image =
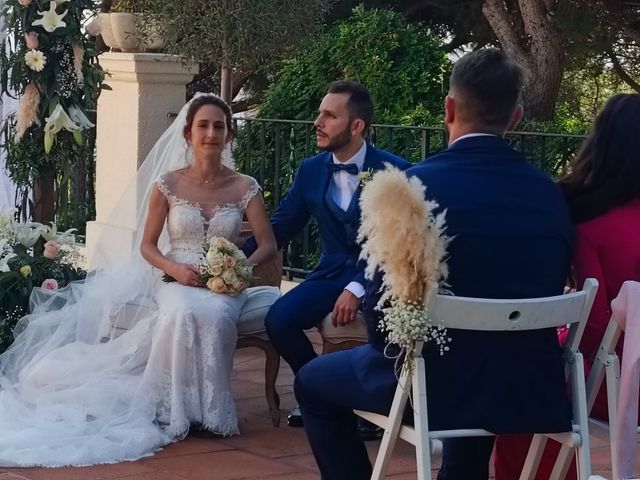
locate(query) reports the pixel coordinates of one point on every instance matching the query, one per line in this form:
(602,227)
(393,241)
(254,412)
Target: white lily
(6,219)
(59,120)
(79,118)
(28,233)
(5,257)
(50,20)
(62,238)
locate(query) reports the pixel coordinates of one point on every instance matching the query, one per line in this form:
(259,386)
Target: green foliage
(402,64)
(70,78)
(246,35)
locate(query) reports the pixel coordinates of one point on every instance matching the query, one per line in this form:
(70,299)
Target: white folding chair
(606,366)
(489,315)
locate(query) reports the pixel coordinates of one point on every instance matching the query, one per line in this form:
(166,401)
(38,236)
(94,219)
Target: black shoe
(294,419)
(369,431)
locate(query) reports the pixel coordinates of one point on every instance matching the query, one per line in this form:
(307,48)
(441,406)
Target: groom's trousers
(300,309)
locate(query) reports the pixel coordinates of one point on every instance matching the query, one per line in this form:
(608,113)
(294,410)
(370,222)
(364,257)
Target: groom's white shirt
(469,135)
(344,186)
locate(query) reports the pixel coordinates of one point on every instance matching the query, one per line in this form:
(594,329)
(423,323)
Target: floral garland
(403,238)
(51,65)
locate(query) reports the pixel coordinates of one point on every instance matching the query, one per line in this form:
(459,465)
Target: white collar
(469,135)
(358,158)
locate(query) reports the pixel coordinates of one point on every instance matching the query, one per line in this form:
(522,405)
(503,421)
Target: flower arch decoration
(50,63)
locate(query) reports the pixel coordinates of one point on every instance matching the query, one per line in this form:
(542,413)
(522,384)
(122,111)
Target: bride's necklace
(210,179)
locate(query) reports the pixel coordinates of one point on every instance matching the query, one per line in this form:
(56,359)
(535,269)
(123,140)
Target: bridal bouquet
(225,269)
(403,238)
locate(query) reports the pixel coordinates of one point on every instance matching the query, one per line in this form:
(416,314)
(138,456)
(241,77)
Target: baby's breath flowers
(402,237)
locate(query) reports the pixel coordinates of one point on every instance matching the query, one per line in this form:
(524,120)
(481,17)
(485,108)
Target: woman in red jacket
(603,193)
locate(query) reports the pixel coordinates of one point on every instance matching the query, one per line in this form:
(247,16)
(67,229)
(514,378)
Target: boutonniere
(365,176)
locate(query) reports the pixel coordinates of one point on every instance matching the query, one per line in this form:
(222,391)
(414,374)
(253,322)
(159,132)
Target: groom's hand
(345,309)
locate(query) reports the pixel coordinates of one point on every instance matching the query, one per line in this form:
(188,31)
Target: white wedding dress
(110,395)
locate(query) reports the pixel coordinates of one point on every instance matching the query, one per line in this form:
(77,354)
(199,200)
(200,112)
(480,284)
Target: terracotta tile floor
(260,452)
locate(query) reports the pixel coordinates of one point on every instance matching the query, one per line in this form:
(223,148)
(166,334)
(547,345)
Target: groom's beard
(340,140)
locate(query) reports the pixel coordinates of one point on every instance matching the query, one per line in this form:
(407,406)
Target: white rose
(216,284)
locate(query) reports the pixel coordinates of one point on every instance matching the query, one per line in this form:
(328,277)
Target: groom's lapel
(371,162)
(325,191)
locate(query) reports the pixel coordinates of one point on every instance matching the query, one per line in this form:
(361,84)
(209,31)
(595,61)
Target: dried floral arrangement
(403,237)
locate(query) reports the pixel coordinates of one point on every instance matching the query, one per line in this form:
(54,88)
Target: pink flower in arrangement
(50,284)
(51,249)
(31,38)
(24,3)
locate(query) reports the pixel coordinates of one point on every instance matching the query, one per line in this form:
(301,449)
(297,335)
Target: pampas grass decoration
(27,113)
(78,56)
(401,236)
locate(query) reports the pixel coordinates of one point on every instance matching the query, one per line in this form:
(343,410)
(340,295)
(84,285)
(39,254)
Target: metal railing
(271,151)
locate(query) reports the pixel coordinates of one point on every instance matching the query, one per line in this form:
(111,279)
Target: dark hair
(606,171)
(200,102)
(487,84)
(359,104)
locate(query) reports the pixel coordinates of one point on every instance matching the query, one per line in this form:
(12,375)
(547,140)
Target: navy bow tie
(351,168)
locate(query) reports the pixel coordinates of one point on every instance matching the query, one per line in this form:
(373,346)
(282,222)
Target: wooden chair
(335,339)
(490,315)
(251,329)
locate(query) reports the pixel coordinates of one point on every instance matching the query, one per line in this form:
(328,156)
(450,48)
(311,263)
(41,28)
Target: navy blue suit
(511,239)
(306,305)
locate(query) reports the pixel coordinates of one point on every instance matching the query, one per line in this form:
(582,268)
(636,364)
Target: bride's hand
(186,274)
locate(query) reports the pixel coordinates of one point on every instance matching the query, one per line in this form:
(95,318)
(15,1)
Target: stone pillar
(146,89)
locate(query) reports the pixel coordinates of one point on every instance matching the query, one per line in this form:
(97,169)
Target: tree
(545,36)
(527,31)
(239,37)
(403,65)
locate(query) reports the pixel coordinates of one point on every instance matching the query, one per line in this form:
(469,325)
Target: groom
(327,188)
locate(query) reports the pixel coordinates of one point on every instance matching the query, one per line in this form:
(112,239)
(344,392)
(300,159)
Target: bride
(78,389)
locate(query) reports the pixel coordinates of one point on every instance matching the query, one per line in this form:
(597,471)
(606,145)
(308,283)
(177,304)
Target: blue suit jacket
(308,197)
(512,239)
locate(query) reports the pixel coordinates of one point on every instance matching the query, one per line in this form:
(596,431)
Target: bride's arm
(158,208)
(262,231)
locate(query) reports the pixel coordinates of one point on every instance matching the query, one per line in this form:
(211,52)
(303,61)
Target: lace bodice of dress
(200,212)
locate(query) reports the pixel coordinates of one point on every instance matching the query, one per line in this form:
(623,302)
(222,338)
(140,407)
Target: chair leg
(579,397)
(421,420)
(563,462)
(534,455)
(612,375)
(392,428)
(271,367)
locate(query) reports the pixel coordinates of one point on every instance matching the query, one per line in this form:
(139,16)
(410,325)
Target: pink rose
(32,40)
(51,249)
(50,284)
(24,3)
(229,262)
